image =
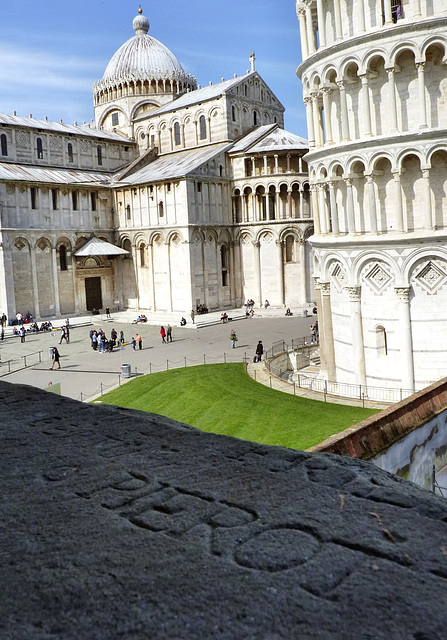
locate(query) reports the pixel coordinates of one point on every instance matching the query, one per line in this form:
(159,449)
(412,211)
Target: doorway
(93,294)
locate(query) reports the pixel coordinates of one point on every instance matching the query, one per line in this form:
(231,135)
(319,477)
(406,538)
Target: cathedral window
(177,139)
(115,119)
(128,215)
(93,197)
(255,118)
(54,198)
(381,342)
(63,257)
(70,152)
(168,187)
(224,265)
(142,250)
(202,122)
(246,90)
(4,144)
(161,211)
(39,147)
(199,187)
(99,152)
(33,193)
(233,113)
(74,200)
(275,119)
(290,249)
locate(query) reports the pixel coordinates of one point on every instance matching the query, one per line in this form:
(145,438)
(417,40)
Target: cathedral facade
(374,77)
(175,196)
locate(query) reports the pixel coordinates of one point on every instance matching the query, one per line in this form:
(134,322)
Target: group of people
(314,333)
(141,318)
(166,334)
(100,342)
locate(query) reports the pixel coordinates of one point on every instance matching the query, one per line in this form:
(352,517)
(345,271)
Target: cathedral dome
(143,55)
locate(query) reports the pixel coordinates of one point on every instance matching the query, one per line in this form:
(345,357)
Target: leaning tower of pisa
(374,76)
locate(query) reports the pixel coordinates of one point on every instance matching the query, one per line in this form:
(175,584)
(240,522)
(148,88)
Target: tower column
(361,15)
(318,129)
(310,121)
(350,205)
(358,348)
(422,102)
(417,8)
(406,341)
(303,33)
(399,208)
(392,95)
(338,27)
(322,207)
(333,206)
(321,23)
(388,13)
(366,104)
(344,111)
(427,200)
(309,26)
(372,204)
(314,208)
(279,253)
(327,114)
(327,336)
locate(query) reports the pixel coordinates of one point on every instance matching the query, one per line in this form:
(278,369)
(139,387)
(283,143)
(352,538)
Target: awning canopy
(97,247)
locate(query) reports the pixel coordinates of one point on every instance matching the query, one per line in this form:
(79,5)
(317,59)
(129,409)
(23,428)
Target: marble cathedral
(174,196)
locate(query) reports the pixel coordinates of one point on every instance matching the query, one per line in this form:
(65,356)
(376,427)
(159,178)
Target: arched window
(4,144)
(115,119)
(233,113)
(63,257)
(70,152)
(99,152)
(39,147)
(161,210)
(255,118)
(128,216)
(177,139)
(381,342)
(142,249)
(202,123)
(290,249)
(224,264)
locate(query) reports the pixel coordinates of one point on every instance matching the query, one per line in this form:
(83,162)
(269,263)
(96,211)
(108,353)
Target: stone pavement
(121,524)
(85,373)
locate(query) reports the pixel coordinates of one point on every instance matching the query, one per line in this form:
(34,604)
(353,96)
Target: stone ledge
(122,524)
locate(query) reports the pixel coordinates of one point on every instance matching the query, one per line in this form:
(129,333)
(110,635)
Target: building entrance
(93,294)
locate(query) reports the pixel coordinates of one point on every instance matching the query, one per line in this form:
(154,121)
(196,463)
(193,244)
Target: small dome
(143,55)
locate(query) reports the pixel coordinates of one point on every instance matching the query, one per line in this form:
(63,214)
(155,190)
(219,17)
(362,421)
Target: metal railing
(22,362)
(436,487)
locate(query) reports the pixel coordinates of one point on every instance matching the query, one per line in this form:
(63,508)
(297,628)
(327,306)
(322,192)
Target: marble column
(361,15)
(321,327)
(350,206)
(366,105)
(314,209)
(309,26)
(280,261)
(338,24)
(388,13)
(35,283)
(303,33)
(422,101)
(334,209)
(406,340)
(327,114)
(257,266)
(427,200)
(358,348)
(398,202)
(328,335)
(310,121)
(57,304)
(417,8)
(322,208)
(344,111)
(392,96)
(321,23)
(301,244)
(151,266)
(168,248)
(318,129)
(372,204)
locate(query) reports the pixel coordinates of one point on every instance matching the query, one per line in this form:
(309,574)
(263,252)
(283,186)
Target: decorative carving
(55,142)
(22,139)
(403,294)
(430,277)
(338,276)
(377,278)
(325,288)
(10,189)
(19,244)
(355,293)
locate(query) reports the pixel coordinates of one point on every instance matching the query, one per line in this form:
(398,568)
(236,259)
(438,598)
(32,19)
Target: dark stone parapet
(120,524)
(374,435)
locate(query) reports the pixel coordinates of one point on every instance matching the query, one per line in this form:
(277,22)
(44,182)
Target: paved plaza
(85,373)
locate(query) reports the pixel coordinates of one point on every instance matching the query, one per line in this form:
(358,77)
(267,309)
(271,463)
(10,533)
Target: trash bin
(305,313)
(125,371)
(50,352)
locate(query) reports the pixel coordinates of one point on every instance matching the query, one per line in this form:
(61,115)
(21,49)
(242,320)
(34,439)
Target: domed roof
(143,55)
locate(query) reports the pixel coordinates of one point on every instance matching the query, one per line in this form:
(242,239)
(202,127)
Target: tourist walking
(193,313)
(133,343)
(3,320)
(233,338)
(163,334)
(259,352)
(169,333)
(56,357)
(139,340)
(22,334)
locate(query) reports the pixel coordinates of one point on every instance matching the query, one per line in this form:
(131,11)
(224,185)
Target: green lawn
(222,398)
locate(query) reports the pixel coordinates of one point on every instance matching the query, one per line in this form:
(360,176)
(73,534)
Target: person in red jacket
(163,334)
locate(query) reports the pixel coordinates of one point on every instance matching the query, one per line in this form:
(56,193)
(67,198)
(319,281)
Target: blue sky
(51,52)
